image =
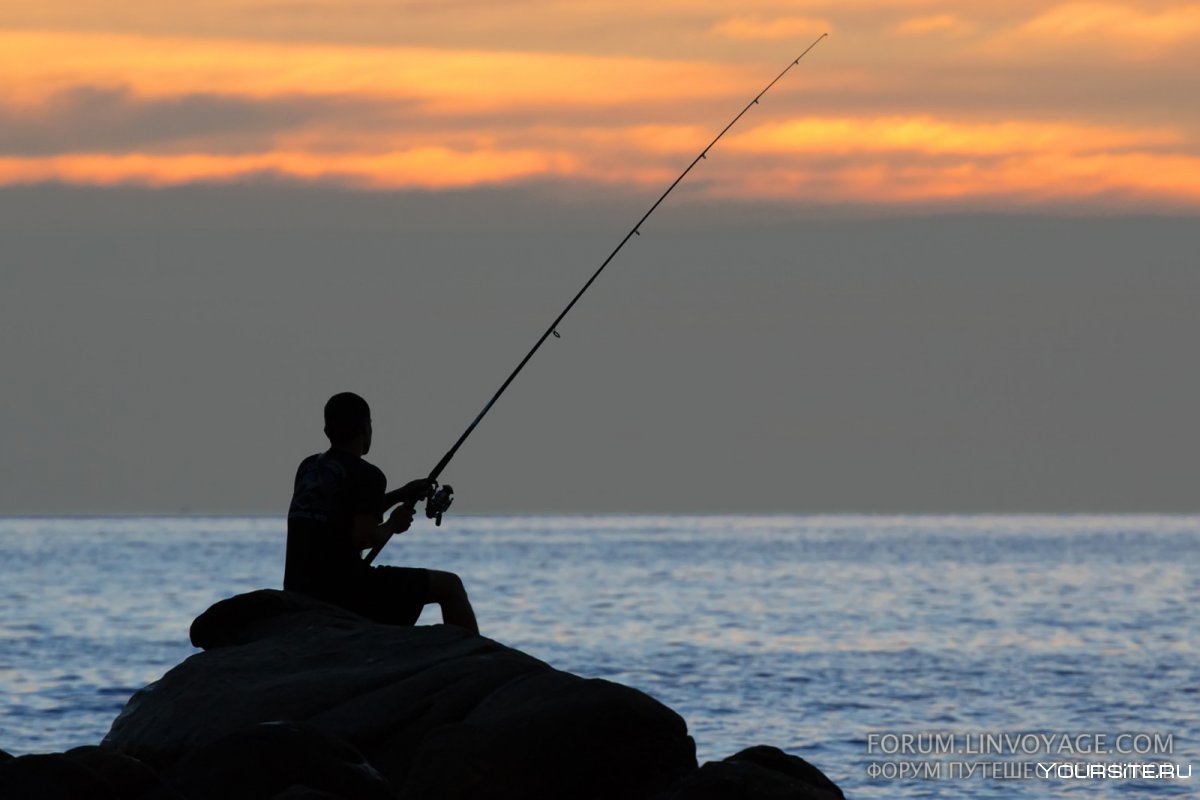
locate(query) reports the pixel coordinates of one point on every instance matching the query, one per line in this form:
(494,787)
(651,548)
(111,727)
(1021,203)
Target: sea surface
(825,636)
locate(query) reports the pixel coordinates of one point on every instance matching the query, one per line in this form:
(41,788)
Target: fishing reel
(438,502)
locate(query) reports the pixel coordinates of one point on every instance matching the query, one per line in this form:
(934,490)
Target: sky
(946,265)
(912,101)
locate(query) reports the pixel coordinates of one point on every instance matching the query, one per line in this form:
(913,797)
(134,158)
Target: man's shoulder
(369,471)
(321,463)
(355,467)
(309,460)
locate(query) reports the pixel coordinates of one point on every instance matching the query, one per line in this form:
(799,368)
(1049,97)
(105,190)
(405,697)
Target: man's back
(330,489)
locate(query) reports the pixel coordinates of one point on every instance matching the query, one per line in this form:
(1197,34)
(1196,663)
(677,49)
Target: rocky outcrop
(273,758)
(89,772)
(293,699)
(757,773)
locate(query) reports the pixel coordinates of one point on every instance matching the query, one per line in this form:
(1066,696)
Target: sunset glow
(908,100)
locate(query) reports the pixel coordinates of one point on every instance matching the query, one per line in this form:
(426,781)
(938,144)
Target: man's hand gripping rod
(439,499)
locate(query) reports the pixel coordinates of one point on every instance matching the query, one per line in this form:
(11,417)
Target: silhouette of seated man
(337,512)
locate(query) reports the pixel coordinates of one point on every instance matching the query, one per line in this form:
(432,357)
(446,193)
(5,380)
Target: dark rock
(758,773)
(306,793)
(85,772)
(438,711)
(4,756)
(256,615)
(263,761)
(127,776)
(555,735)
(51,777)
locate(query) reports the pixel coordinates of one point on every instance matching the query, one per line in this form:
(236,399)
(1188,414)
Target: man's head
(348,422)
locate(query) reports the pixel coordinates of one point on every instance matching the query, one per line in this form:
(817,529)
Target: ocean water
(825,636)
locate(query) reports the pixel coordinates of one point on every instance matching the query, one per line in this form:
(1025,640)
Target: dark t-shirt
(331,489)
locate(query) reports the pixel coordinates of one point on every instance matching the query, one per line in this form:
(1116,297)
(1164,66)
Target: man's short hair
(346,415)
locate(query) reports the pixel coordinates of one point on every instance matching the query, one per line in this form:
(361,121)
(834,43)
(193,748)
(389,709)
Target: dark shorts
(391,595)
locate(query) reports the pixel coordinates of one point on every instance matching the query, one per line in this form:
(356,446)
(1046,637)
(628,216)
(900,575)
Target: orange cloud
(926,160)
(777,28)
(925,135)
(404,95)
(938,23)
(894,161)
(1104,32)
(1115,22)
(1142,179)
(427,167)
(37,64)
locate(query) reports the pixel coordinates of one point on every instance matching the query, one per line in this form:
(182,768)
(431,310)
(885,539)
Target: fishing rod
(439,498)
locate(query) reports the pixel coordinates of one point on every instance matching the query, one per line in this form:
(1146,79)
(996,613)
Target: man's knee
(445,586)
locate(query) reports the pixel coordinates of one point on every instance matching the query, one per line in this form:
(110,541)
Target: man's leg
(447,590)
(391,595)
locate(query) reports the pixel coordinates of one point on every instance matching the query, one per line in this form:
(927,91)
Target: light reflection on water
(803,632)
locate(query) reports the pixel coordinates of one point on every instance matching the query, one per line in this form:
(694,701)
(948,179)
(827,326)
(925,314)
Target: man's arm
(368,533)
(409,494)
